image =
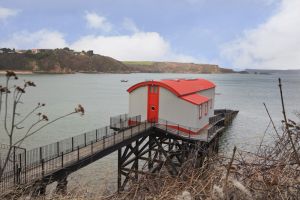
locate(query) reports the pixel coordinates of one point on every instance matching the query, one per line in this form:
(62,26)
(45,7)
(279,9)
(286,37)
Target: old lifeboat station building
(188,102)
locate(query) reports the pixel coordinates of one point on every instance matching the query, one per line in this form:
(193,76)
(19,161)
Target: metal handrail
(40,161)
(124,121)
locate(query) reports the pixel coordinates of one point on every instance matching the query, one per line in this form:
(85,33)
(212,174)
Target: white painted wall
(210,93)
(177,110)
(138,100)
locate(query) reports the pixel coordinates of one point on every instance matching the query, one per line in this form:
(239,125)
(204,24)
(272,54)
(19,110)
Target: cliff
(60,61)
(176,67)
(69,61)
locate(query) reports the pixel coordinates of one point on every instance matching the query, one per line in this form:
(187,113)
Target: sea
(104,95)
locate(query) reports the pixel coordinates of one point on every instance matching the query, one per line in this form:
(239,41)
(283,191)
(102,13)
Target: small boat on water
(124,81)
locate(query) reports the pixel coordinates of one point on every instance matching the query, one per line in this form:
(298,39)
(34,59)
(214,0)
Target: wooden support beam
(119,169)
(136,154)
(168,160)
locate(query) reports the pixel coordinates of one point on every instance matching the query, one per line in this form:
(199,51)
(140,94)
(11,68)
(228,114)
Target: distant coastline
(67,61)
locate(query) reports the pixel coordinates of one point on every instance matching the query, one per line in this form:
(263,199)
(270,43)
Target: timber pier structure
(143,148)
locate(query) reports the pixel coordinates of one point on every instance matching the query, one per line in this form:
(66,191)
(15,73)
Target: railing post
(114,137)
(178,129)
(43,167)
(25,164)
(104,142)
(41,153)
(57,148)
(92,150)
(166,125)
(72,143)
(189,132)
(123,134)
(78,155)
(131,131)
(17,174)
(96,135)
(14,162)
(42,161)
(106,131)
(85,139)
(19,169)
(62,159)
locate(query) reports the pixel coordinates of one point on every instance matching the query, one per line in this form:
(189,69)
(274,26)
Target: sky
(237,34)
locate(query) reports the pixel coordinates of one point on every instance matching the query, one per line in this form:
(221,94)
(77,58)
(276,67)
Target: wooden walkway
(54,161)
(72,160)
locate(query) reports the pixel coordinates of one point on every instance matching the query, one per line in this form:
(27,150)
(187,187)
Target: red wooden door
(153,105)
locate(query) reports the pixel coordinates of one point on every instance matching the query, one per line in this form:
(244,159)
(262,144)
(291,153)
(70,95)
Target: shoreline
(27,72)
(22,72)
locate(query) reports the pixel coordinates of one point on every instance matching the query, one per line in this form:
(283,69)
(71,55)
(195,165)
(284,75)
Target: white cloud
(39,39)
(138,45)
(130,25)
(97,22)
(274,44)
(6,13)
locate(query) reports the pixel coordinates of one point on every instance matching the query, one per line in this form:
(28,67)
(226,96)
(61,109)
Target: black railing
(212,131)
(176,128)
(124,121)
(11,160)
(39,162)
(28,166)
(213,120)
(205,134)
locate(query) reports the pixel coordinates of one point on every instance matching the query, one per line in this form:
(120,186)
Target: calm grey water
(103,95)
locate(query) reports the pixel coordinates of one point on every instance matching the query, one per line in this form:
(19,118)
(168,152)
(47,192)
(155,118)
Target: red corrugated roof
(188,86)
(179,87)
(195,99)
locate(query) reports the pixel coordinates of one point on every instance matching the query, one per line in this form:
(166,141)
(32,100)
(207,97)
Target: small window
(155,89)
(206,108)
(211,103)
(200,111)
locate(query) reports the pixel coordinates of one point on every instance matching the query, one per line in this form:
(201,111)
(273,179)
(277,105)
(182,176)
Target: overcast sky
(232,33)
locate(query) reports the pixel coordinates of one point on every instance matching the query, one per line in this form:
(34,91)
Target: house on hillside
(188,102)
(35,51)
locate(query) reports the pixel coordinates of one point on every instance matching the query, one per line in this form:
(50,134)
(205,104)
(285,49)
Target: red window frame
(206,108)
(200,111)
